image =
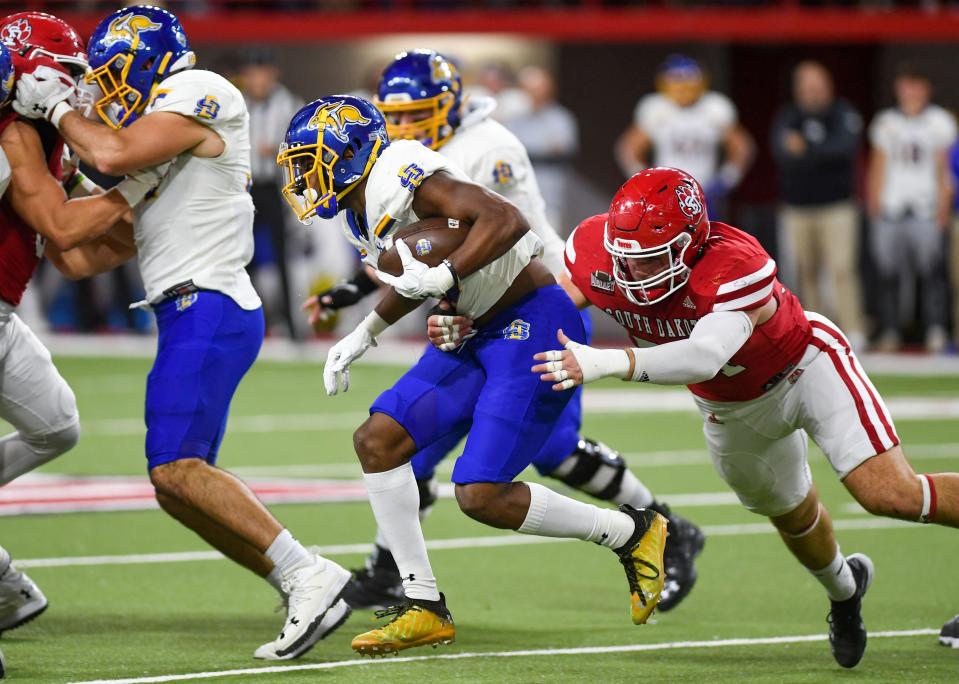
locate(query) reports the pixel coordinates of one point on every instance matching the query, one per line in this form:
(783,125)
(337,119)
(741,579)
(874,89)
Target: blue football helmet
(131,51)
(420,95)
(7,75)
(330,147)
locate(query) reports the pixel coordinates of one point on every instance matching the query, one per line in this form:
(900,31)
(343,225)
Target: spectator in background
(909,194)
(498,80)
(271,107)
(815,141)
(550,134)
(688,127)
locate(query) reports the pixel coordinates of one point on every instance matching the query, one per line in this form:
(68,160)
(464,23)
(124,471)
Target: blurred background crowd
(841,158)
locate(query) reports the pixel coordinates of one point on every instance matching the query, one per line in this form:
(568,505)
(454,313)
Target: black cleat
(847,633)
(949,635)
(374,588)
(684,543)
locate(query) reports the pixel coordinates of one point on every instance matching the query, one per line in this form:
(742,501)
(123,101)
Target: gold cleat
(415,623)
(642,557)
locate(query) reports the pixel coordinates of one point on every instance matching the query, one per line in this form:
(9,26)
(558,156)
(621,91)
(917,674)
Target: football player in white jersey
(909,197)
(421,97)
(338,157)
(688,127)
(193,239)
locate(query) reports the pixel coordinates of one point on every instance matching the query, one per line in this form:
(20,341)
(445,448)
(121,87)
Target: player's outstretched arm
(320,306)
(713,342)
(40,201)
(98,256)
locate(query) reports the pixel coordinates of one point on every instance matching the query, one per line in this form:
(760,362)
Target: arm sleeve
(713,342)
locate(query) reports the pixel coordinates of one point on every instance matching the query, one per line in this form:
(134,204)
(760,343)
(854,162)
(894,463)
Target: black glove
(348,292)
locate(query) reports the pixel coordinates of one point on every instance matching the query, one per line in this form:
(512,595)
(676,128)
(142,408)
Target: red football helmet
(656,228)
(37,38)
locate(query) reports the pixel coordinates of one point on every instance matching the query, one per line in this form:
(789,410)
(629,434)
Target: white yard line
(498,540)
(585,650)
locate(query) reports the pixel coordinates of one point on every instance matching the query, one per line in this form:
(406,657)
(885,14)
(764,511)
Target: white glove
(580,364)
(418,280)
(44,94)
(138,184)
(336,372)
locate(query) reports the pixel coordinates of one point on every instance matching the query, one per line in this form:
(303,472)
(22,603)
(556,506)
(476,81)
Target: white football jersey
(911,145)
(199,224)
(5,172)
(492,156)
(687,138)
(393,180)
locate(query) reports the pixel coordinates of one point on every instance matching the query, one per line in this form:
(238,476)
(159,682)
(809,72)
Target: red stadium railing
(232,21)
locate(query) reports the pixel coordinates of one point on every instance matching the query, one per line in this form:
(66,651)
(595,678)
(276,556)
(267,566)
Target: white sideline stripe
(434,544)
(583,650)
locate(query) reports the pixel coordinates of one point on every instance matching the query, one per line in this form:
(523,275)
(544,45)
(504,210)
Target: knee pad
(49,445)
(429,493)
(593,468)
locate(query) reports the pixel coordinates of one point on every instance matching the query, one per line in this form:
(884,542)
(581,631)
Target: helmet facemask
(433,130)
(120,102)
(654,288)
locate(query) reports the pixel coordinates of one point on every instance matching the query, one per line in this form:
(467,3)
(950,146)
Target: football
(430,241)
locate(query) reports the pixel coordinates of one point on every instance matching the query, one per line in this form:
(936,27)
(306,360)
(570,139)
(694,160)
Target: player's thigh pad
(434,400)
(516,413)
(839,406)
(34,397)
(206,344)
(769,476)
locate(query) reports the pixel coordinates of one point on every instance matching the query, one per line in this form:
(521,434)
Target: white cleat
(333,620)
(314,596)
(20,599)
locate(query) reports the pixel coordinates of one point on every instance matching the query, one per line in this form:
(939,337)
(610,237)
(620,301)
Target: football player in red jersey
(702,303)
(34,398)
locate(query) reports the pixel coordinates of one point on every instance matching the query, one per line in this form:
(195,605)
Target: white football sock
(633,492)
(381,539)
(837,578)
(394,499)
(288,554)
(554,515)
(275,580)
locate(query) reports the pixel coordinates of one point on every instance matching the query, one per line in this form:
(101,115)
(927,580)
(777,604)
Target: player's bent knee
(482,501)
(379,444)
(170,479)
(64,439)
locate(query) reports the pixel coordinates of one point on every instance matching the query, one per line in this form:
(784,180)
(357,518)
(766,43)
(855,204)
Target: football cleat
(949,635)
(374,588)
(685,542)
(312,591)
(333,620)
(847,633)
(642,557)
(20,599)
(415,622)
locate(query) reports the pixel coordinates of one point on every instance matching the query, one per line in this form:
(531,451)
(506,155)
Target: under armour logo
(26,594)
(39,108)
(294,621)
(410,578)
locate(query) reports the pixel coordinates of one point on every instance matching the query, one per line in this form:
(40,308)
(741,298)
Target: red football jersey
(20,247)
(734,274)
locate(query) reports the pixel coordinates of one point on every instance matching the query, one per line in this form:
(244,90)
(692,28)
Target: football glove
(336,372)
(418,281)
(41,93)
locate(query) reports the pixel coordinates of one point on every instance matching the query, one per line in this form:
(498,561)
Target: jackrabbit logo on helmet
(689,202)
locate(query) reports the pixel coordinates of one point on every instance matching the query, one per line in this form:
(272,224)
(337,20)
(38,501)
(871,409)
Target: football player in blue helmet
(130,52)
(421,96)
(331,145)
(336,151)
(193,240)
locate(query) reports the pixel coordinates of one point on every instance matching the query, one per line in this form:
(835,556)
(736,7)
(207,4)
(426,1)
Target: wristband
(374,324)
(364,284)
(133,190)
(60,109)
(456,277)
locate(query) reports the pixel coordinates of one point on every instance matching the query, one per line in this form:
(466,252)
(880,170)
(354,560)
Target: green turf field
(135,620)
